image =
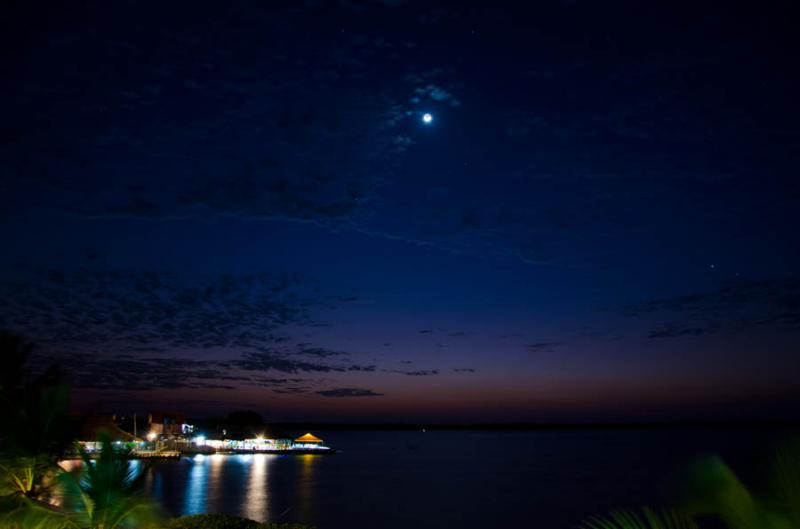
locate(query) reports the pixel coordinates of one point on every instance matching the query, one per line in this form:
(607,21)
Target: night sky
(209,208)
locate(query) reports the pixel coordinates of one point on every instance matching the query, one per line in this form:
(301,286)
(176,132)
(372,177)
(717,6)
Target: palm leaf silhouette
(646,519)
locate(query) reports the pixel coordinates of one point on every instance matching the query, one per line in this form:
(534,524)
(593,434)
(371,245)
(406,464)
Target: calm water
(451,479)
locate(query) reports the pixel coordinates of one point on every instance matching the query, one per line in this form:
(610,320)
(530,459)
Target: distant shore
(537,426)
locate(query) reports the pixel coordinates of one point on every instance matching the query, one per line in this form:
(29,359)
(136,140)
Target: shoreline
(175,454)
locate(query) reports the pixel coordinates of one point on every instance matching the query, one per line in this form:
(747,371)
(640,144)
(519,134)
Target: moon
(427,117)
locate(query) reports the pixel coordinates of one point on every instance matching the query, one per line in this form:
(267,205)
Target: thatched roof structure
(94,427)
(308,438)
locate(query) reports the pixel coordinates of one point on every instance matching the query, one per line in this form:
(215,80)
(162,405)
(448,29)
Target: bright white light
(152,436)
(200,439)
(427,118)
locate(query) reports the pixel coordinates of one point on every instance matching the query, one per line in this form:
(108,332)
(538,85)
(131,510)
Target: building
(93,429)
(264,443)
(309,442)
(167,424)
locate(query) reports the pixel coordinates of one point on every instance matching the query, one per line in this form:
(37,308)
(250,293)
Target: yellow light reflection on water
(215,484)
(256,497)
(304,490)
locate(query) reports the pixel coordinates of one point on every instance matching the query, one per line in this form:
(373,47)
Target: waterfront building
(93,428)
(168,424)
(309,442)
(263,443)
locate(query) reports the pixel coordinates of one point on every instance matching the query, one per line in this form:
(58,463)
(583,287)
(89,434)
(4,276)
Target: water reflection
(216,491)
(305,487)
(256,498)
(262,487)
(196,486)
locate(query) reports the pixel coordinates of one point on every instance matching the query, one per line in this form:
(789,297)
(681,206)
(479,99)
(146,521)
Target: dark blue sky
(216,207)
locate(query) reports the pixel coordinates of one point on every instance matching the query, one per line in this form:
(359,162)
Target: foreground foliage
(33,410)
(106,493)
(714,492)
(646,519)
(226,521)
(103,493)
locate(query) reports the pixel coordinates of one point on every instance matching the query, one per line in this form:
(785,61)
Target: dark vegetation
(714,497)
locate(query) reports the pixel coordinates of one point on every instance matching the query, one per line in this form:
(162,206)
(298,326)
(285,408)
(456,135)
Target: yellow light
(152,436)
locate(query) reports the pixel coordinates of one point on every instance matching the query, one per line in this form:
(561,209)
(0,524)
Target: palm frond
(786,480)
(106,492)
(646,519)
(31,514)
(28,476)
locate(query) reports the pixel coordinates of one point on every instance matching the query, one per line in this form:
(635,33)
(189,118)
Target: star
(427,118)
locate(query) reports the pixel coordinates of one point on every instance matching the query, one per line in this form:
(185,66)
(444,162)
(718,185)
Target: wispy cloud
(543,347)
(735,306)
(146,330)
(414,373)
(349,392)
(677,332)
(119,310)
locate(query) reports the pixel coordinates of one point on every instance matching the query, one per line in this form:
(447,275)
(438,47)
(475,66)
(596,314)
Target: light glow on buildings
(261,444)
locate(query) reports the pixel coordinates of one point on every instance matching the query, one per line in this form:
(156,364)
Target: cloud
(436,93)
(415,373)
(117,329)
(127,372)
(463,370)
(319,352)
(276,361)
(734,306)
(543,347)
(271,381)
(677,332)
(250,139)
(402,143)
(349,392)
(367,368)
(420,373)
(132,374)
(783,294)
(118,311)
(291,390)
